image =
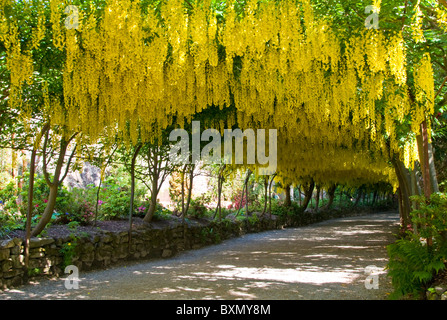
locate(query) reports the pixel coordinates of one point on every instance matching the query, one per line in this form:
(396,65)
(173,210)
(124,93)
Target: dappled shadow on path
(324,261)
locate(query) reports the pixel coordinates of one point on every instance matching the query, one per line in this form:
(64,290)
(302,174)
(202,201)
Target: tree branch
(440,88)
(44,154)
(68,164)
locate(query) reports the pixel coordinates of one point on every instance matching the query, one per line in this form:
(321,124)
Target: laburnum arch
(137,67)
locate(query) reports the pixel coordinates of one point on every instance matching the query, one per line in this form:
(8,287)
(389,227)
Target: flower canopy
(137,67)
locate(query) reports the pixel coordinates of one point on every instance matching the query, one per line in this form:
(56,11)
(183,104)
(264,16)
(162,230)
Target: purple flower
(100,202)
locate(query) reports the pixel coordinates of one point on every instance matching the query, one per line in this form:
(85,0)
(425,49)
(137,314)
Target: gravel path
(323,261)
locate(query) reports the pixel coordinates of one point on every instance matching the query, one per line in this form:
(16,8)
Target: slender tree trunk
(242,195)
(359,196)
(99,186)
(219,195)
(266,184)
(132,191)
(29,212)
(191,179)
(433,175)
(374,198)
(30,206)
(241,200)
(270,195)
(183,192)
(287,201)
(317,198)
(414,191)
(400,203)
(220,181)
(218,199)
(425,162)
(246,198)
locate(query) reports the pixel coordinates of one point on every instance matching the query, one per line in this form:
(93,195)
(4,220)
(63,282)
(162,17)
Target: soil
(58,231)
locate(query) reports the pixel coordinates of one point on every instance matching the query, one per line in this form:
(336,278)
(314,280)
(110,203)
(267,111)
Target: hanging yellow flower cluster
(416,25)
(137,71)
(425,94)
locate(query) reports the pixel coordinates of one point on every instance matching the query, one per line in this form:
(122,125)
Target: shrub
(416,258)
(197,207)
(412,266)
(238,201)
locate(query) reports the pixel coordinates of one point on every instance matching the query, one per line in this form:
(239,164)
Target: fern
(412,266)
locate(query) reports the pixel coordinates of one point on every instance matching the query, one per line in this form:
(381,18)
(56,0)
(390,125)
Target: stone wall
(49,256)
(437,293)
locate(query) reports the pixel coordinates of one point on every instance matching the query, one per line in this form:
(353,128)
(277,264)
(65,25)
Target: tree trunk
(405,191)
(317,198)
(433,175)
(99,186)
(219,194)
(359,196)
(374,198)
(54,186)
(425,162)
(218,199)
(414,191)
(48,212)
(308,194)
(246,196)
(183,192)
(242,195)
(220,181)
(191,179)
(287,201)
(29,212)
(153,205)
(331,195)
(270,195)
(266,184)
(132,192)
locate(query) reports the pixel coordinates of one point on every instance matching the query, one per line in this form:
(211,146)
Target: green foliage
(34,272)
(253,219)
(161,213)
(431,217)
(412,265)
(68,251)
(415,259)
(8,197)
(76,206)
(207,235)
(9,223)
(197,207)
